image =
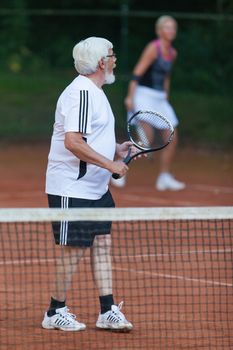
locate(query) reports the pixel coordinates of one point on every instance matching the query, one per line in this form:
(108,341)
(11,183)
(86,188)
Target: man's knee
(102,242)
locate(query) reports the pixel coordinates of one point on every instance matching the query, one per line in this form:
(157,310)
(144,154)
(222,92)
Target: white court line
(27,261)
(137,256)
(177,277)
(147,273)
(198,187)
(24,193)
(156,200)
(189,252)
(214,189)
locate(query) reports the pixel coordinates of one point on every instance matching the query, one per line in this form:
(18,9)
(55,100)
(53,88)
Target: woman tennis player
(149,89)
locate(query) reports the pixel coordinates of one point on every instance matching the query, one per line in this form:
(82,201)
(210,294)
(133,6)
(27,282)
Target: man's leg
(66,265)
(58,316)
(101,264)
(110,316)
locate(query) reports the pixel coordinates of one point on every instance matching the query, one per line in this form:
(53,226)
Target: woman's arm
(148,55)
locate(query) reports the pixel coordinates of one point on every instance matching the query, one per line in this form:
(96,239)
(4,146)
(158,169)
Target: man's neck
(97,79)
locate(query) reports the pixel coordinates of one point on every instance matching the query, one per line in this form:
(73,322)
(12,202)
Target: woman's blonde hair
(161,21)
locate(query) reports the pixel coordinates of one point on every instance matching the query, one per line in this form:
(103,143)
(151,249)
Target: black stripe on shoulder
(86,112)
(83,111)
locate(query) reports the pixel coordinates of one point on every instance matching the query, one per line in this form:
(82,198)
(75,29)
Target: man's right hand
(118,167)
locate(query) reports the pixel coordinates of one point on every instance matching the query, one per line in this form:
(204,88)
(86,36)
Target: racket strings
(150,130)
(143,140)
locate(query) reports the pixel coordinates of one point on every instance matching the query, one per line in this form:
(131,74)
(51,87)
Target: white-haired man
(80,165)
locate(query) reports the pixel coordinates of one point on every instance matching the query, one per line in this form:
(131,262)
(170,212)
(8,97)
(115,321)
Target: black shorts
(80,233)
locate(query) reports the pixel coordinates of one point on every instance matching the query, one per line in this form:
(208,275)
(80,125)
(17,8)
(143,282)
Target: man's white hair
(87,53)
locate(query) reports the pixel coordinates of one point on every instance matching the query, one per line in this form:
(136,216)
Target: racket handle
(126,160)
(116,176)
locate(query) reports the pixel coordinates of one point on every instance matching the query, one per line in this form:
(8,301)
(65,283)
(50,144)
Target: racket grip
(115,176)
(126,160)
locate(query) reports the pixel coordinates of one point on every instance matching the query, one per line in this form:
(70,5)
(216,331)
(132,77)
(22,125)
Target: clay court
(181,308)
(208,175)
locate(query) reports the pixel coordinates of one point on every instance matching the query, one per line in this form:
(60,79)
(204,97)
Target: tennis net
(171,266)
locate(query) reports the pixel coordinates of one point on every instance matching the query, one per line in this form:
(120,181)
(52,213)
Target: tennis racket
(149,132)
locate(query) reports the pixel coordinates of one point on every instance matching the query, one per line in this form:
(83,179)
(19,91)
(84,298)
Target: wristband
(135,77)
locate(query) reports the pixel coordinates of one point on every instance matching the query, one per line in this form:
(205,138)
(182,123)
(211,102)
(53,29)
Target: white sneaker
(119,182)
(62,320)
(114,320)
(166,181)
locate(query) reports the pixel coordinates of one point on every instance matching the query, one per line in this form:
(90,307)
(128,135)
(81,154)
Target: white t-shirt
(82,107)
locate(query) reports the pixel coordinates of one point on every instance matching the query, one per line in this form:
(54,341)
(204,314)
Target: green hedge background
(36,41)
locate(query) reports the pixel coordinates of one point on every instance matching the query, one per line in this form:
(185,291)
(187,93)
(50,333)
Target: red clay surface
(177,292)
(208,175)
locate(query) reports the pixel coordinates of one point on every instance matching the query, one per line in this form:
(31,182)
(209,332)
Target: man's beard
(109,78)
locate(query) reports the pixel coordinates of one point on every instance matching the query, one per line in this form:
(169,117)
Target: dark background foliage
(36,41)
(29,40)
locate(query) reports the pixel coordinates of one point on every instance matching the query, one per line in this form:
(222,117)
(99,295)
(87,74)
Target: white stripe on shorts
(64,224)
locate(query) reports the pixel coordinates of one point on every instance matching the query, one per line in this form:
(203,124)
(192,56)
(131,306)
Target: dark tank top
(157,72)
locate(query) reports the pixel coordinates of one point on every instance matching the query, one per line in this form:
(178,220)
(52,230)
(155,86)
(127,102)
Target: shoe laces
(115,315)
(64,312)
(120,305)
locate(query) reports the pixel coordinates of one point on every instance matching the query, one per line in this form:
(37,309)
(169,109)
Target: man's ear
(102,64)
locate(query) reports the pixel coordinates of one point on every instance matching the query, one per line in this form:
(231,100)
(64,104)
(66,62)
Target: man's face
(110,65)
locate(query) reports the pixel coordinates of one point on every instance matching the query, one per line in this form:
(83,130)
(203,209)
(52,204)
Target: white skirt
(153,100)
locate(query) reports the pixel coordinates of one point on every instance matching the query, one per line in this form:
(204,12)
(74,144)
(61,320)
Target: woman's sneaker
(114,319)
(121,182)
(166,181)
(63,320)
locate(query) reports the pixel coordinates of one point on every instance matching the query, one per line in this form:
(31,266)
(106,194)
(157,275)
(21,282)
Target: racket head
(149,131)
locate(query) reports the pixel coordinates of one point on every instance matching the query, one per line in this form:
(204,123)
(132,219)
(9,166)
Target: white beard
(109,78)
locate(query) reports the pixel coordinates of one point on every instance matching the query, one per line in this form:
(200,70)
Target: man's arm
(74,143)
